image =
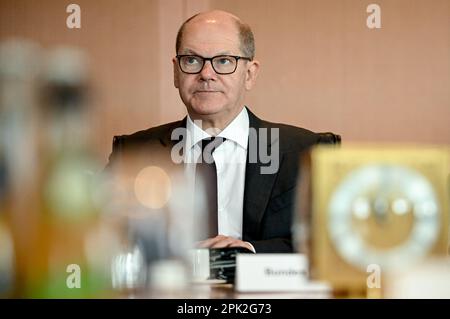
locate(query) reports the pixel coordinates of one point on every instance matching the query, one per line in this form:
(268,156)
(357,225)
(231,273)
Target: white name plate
(271,272)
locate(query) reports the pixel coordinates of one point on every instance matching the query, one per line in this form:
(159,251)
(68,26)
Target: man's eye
(192,60)
(224,61)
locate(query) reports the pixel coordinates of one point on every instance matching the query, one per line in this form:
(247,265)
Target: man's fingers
(224,242)
(241,243)
(221,241)
(208,243)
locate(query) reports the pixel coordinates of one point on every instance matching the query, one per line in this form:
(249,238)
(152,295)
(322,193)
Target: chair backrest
(329,138)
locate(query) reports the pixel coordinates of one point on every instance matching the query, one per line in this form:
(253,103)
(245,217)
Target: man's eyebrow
(190,51)
(225,53)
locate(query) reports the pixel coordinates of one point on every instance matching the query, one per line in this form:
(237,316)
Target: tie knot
(211,143)
(208,146)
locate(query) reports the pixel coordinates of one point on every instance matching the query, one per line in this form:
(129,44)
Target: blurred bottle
(63,262)
(6,241)
(143,197)
(129,270)
(19,69)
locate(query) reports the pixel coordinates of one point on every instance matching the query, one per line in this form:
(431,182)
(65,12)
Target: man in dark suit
(254,162)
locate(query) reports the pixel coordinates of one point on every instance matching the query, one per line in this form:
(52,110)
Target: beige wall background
(322,68)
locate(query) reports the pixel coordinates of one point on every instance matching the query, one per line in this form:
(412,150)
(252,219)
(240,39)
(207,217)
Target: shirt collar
(236,131)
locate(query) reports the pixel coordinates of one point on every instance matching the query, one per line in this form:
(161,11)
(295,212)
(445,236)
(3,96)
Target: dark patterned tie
(206,184)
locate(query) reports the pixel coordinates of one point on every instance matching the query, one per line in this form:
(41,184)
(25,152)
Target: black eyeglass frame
(237,57)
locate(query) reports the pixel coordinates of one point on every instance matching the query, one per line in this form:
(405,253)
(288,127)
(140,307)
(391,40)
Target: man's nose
(208,72)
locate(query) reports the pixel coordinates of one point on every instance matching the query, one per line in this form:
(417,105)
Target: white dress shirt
(230,159)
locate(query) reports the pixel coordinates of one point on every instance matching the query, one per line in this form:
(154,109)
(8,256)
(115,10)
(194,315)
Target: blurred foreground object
(153,198)
(373,210)
(68,227)
(68,263)
(49,176)
(6,261)
(19,70)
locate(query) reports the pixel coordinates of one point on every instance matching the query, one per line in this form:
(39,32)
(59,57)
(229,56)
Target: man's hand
(221,241)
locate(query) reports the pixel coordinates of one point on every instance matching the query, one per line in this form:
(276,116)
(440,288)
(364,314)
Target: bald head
(246,38)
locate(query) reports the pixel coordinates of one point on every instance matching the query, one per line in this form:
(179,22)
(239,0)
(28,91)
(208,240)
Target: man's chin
(207,109)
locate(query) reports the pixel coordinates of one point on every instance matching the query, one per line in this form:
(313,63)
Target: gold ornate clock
(384,206)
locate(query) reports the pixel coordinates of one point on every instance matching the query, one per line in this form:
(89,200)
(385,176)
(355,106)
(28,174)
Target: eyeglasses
(222,64)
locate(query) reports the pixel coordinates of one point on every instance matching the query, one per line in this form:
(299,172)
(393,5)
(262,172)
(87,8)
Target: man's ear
(252,74)
(175,72)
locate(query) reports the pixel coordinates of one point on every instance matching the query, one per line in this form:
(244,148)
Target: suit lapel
(166,138)
(258,187)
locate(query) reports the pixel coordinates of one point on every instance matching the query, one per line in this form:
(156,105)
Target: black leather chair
(329,138)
